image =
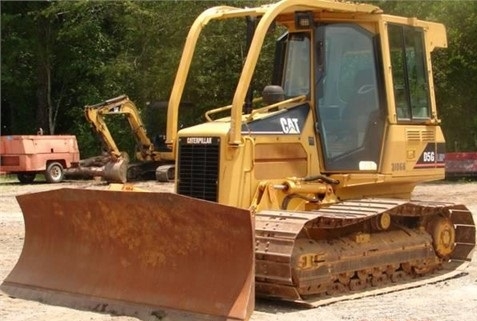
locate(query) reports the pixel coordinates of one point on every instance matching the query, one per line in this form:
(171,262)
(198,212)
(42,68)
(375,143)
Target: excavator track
(359,248)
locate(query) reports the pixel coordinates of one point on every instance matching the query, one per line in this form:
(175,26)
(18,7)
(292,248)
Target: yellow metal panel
(280,160)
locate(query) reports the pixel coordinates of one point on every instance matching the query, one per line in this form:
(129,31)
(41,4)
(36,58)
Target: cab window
(409,71)
(296,80)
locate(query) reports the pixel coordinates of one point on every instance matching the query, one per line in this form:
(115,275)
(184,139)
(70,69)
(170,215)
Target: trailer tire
(54,172)
(26,178)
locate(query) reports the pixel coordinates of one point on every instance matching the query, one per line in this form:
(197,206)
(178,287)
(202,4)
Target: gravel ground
(449,300)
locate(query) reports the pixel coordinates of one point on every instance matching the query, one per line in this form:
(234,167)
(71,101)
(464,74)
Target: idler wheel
(381,222)
(443,235)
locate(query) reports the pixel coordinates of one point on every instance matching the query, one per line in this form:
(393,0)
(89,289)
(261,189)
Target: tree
(20,67)
(58,57)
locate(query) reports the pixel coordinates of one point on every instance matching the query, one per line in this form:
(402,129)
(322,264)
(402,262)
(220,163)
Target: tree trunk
(43,77)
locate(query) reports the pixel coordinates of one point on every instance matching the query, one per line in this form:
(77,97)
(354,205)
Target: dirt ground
(449,300)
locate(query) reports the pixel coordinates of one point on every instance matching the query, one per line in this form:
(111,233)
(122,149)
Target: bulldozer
(303,196)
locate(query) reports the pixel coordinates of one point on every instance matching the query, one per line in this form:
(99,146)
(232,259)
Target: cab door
(350,110)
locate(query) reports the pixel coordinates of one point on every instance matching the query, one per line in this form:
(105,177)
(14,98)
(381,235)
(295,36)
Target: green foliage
(59,56)
(458,90)
(18,72)
(99,50)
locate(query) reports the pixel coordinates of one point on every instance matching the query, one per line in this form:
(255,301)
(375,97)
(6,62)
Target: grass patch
(8,178)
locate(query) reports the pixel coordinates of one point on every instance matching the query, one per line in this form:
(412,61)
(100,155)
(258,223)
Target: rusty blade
(136,253)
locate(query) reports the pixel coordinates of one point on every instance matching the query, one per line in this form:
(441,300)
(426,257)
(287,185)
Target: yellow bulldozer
(302,197)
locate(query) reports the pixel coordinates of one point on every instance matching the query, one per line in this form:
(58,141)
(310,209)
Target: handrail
(224,108)
(275,105)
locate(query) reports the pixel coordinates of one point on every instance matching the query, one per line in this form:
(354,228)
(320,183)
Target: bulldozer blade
(136,253)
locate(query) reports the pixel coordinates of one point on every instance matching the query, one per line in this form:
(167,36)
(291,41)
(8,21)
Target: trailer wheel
(26,178)
(54,173)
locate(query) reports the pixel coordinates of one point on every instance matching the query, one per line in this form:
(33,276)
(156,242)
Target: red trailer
(28,155)
(461,164)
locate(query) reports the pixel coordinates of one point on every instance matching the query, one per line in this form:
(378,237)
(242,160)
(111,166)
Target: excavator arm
(122,105)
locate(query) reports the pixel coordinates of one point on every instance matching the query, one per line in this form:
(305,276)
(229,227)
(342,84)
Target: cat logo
(290,125)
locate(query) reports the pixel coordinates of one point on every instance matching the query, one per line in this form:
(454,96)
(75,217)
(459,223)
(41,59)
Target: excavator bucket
(116,172)
(136,253)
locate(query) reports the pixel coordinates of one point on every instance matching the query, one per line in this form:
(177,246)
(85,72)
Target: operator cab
(343,87)
(338,66)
